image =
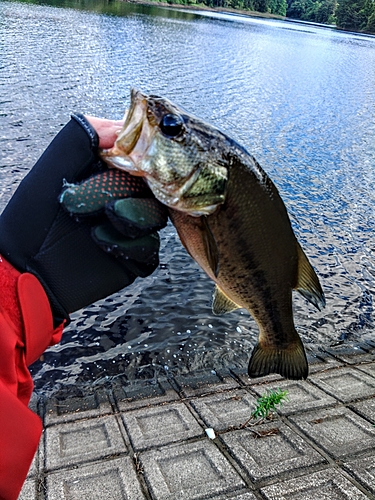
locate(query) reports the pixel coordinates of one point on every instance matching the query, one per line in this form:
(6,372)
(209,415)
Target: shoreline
(204,8)
(227,10)
(245,13)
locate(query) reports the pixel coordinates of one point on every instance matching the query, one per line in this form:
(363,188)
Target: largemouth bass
(230,218)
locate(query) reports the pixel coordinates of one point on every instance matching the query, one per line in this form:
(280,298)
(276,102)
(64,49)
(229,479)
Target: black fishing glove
(76,246)
(129,228)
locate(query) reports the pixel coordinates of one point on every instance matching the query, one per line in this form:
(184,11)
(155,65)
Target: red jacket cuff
(25,303)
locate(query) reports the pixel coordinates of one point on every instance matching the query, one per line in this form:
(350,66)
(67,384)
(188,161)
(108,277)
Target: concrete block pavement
(146,440)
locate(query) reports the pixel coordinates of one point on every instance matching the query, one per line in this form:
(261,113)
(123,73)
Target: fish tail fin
(308,282)
(289,362)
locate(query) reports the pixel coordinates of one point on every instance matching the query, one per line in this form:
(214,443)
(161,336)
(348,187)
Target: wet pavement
(147,440)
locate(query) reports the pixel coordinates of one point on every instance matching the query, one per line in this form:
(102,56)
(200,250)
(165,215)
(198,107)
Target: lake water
(301,99)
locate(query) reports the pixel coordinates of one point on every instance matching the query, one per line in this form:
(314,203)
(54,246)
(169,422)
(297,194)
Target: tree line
(353,15)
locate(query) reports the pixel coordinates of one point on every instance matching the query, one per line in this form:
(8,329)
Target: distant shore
(223,10)
(248,13)
(228,10)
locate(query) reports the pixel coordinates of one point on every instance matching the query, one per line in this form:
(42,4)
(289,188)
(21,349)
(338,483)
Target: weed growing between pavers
(266,404)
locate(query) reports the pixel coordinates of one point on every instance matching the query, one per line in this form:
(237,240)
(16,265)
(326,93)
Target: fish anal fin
(221,303)
(289,362)
(307,281)
(210,246)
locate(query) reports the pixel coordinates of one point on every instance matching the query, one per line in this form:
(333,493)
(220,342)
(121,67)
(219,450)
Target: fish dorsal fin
(307,281)
(210,246)
(221,303)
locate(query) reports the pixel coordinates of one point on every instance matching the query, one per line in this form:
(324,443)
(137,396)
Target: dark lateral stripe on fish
(289,363)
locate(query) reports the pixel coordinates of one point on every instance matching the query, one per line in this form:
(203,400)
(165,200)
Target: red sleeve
(26,330)
(19,437)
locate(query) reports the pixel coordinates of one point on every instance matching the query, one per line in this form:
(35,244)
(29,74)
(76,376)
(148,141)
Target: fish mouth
(134,139)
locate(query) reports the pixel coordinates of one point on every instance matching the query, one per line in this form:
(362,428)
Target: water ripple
(301,100)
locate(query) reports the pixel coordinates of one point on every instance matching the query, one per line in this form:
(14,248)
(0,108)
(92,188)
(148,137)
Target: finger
(135,217)
(141,250)
(90,196)
(107,130)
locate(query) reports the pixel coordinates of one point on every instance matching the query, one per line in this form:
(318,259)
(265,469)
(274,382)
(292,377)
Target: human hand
(133,217)
(40,237)
(50,265)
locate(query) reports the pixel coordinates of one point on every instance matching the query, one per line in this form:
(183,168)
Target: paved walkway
(148,441)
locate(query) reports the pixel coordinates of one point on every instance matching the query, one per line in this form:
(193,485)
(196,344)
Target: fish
(230,218)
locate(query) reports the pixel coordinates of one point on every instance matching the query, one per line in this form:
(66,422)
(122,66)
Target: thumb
(107,130)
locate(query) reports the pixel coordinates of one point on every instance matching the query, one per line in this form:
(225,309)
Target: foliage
(266,404)
(270,6)
(269,402)
(356,15)
(317,11)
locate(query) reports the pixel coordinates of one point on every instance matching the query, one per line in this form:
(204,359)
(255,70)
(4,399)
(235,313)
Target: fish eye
(171,125)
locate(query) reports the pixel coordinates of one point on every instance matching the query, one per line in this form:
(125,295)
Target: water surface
(301,99)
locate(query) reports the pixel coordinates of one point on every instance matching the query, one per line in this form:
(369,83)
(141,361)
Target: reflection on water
(300,98)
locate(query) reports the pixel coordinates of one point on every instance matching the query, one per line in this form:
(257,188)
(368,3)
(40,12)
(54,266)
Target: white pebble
(210,433)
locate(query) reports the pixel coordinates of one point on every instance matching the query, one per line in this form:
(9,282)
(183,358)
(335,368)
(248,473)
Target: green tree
(368,12)
(325,13)
(317,11)
(354,14)
(261,5)
(279,7)
(296,9)
(370,27)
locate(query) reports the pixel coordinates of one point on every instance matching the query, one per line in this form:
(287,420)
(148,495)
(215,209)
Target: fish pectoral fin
(289,362)
(221,303)
(210,246)
(307,282)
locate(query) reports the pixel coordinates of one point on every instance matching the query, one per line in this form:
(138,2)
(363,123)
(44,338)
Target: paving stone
(28,491)
(66,408)
(247,381)
(320,361)
(110,480)
(368,368)
(339,431)
(302,396)
(363,469)
(205,383)
(160,425)
(188,472)
(324,485)
(83,441)
(268,450)
(33,403)
(141,393)
(366,409)
(236,496)
(345,384)
(221,411)
(351,353)
(33,471)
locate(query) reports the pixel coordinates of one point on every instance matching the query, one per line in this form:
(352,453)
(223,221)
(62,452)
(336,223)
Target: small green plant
(267,403)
